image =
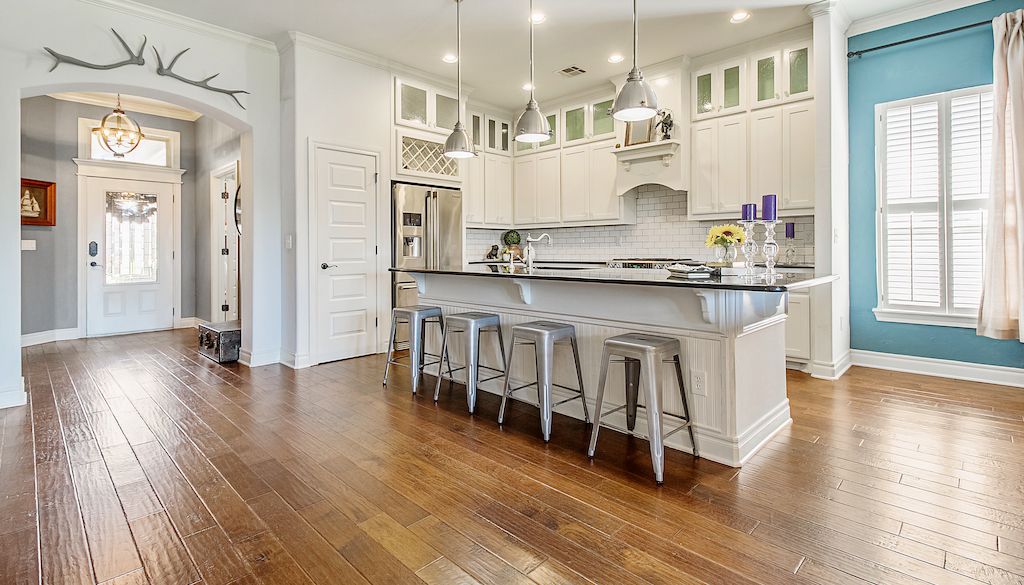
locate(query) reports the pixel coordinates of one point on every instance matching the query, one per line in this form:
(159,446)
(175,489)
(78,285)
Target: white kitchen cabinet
(420,105)
(537,187)
(587,121)
(765,153)
(476,130)
(797,157)
(498,190)
(474,189)
(766,79)
(588,185)
(719,167)
(798,327)
(720,90)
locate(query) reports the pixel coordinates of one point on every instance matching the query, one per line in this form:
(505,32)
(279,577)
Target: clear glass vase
(725,254)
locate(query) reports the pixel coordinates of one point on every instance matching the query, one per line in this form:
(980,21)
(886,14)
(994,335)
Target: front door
(346,220)
(129,254)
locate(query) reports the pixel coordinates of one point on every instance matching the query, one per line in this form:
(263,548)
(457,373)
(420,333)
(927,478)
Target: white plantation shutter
(934,159)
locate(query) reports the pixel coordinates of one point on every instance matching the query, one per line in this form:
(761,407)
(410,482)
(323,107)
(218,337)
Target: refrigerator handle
(437,232)
(428,233)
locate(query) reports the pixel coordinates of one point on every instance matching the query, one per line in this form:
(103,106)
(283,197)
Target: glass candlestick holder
(749,248)
(770,248)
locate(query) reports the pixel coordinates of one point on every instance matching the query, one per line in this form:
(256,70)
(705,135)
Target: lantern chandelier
(118,133)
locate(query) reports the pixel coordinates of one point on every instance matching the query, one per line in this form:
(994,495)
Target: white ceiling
(495,38)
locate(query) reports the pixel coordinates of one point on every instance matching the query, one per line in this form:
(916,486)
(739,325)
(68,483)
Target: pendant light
(458,144)
(636,100)
(118,133)
(532,126)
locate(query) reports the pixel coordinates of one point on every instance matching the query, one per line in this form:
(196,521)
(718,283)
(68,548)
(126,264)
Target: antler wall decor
(133,59)
(203,83)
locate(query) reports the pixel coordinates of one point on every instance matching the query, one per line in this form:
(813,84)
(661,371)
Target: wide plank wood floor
(138,461)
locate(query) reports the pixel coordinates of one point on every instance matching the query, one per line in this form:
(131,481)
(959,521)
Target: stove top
(650,263)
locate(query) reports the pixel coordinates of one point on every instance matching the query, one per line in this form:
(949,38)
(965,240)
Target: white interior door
(223,246)
(129,256)
(346,219)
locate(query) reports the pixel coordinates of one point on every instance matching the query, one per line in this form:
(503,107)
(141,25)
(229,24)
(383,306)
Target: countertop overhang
(783,282)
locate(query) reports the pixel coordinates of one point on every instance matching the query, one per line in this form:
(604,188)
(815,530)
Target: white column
(830,305)
(12,390)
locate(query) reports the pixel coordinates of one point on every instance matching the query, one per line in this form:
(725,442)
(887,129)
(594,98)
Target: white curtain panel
(1002,306)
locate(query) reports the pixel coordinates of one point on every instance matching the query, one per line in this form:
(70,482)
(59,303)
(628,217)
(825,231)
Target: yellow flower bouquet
(725,235)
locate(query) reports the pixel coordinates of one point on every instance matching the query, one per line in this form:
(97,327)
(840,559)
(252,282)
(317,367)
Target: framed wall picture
(38,202)
(640,132)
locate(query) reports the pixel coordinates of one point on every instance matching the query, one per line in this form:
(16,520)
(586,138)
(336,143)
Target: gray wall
(216,145)
(49,140)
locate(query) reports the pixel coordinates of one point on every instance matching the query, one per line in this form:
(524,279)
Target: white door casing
(224,269)
(345,191)
(131,280)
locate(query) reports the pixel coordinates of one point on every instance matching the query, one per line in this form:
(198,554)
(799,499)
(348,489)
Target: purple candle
(768,209)
(790,230)
(749,211)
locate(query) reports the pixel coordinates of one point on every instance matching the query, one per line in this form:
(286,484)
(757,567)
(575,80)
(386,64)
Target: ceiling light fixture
(118,133)
(636,100)
(537,17)
(449,58)
(458,144)
(532,126)
(739,16)
(616,58)
(527,86)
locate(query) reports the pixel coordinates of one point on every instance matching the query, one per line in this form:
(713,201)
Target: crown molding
(131,104)
(182,22)
(834,8)
(300,39)
(907,14)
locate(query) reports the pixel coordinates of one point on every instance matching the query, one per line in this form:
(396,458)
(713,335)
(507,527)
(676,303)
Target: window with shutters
(933,161)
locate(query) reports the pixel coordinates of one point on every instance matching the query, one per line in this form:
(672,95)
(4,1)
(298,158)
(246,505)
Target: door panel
(549,187)
(732,161)
(574,184)
(130,280)
(765,153)
(604,201)
(346,253)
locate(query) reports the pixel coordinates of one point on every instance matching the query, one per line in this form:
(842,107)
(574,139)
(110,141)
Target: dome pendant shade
(458,144)
(532,125)
(118,133)
(636,100)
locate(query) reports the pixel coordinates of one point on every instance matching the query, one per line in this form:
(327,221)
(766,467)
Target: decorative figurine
(666,124)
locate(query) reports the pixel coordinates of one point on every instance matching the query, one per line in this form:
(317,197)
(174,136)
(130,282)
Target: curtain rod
(853,54)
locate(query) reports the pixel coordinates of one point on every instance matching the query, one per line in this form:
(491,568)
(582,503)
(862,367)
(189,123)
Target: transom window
(933,169)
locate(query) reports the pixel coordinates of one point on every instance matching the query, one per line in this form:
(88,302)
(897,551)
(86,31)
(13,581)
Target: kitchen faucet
(530,253)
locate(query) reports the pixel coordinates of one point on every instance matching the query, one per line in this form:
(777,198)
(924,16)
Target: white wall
(82,29)
(335,97)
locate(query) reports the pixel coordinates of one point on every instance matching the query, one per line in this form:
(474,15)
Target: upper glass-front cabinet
(476,130)
(549,144)
(499,135)
(419,105)
(766,78)
(797,80)
(590,121)
(720,89)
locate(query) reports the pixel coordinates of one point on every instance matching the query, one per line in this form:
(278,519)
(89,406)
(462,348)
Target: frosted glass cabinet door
(499,135)
(732,87)
(413,106)
(476,130)
(553,124)
(766,78)
(575,120)
(797,72)
(446,111)
(601,121)
(702,92)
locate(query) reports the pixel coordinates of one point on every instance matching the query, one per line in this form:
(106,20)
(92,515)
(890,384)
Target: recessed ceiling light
(538,17)
(450,58)
(739,16)
(527,86)
(616,58)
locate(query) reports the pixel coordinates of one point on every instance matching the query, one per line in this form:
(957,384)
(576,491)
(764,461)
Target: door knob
(94,264)
(325,266)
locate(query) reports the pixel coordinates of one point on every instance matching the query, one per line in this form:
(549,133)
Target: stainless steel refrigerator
(427,232)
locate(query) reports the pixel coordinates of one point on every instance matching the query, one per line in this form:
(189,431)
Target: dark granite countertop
(783,282)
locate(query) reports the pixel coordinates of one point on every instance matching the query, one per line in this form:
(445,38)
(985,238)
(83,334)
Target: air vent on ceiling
(572,71)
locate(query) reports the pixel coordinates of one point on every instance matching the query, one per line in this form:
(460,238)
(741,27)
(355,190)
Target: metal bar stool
(643,351)
(543,335)
(417,316)
(472,324)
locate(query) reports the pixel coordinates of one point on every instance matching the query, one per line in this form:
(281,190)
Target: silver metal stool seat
(472,324)
(417,316)
(643,351)
(543,335)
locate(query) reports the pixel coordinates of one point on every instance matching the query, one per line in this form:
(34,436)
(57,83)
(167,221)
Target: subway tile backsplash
(661,231)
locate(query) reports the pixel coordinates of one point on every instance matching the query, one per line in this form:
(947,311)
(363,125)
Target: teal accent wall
(953,61)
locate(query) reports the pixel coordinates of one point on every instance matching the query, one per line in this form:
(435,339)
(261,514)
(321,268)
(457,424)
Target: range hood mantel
(664,162)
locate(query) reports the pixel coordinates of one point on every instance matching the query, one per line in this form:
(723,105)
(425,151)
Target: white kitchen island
(732,333)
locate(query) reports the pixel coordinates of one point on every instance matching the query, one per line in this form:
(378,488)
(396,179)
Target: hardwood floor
(139,461)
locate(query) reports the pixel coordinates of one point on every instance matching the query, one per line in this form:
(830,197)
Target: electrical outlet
(700,384)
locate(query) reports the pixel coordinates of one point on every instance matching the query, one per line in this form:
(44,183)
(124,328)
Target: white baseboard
(1002,375)
(258,358)
(830,371)
(30,339)
(188,322)
(13,394)
(297,361)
